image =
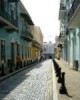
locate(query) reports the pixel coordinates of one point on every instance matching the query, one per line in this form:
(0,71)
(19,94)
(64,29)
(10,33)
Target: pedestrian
(18,61)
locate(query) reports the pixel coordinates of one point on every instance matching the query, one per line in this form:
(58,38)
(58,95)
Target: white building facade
(48,50)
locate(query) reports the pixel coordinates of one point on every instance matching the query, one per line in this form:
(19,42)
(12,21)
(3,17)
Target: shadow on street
(11,83)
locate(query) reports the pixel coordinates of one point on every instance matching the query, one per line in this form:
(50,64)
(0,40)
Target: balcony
(62,36)
(13,0)
(27,35)
(7,21)
(62,39)
(74,15)
(36,44)
(27,18)
(62,11)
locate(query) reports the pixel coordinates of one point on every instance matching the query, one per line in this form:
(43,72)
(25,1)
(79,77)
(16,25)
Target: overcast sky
(44,14)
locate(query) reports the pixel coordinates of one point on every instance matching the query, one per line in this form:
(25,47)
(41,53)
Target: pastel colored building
(69,16)
(16,33)
(37,43)
(48,50)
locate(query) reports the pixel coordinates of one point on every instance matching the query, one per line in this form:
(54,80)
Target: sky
(44,14)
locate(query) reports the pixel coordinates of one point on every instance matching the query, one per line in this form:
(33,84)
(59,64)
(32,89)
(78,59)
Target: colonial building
(48,50)
(57,48)
(16,33)
(37,43)
(69,16)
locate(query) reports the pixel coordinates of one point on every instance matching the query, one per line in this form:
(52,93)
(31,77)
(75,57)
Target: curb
(55,93)
(17,71)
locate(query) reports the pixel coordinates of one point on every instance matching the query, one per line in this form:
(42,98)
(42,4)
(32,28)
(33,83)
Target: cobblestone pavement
(72,82)
(34,83)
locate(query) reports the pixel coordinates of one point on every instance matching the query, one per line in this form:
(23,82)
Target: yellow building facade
(37,43)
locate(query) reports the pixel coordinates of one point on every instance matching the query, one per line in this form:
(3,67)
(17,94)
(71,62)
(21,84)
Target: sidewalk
(72,82)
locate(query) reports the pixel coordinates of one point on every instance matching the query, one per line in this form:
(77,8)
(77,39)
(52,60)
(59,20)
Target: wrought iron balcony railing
(13,0)
(62,7)
(36,43)
(26,34)
(6,16)
(74,6)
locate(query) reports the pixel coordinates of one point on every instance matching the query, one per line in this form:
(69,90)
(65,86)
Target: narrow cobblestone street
(34,83)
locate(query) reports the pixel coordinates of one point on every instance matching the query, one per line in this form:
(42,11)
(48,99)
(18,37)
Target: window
(17,48)
(6,5)
(22,51)
(26,52)
(2,5)
(13,12)
(2,50)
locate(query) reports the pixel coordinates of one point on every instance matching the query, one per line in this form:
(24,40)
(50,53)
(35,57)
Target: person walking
(18,61)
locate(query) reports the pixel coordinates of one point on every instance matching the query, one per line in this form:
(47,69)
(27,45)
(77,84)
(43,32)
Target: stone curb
(55,92)
(15,72)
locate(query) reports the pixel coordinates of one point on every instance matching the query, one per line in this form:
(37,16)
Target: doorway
(12,53)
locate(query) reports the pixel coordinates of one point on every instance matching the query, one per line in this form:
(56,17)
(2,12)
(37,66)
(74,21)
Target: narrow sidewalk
(72,82)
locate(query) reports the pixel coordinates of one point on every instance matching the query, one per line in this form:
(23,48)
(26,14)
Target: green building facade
(15,33)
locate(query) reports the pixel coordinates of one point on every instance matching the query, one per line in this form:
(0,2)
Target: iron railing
(13,0)
(8,17)
(62,7)
(26,33)
(74,6)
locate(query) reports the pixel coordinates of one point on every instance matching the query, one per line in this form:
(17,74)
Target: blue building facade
(8,30)
(70,30)
(15,33)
